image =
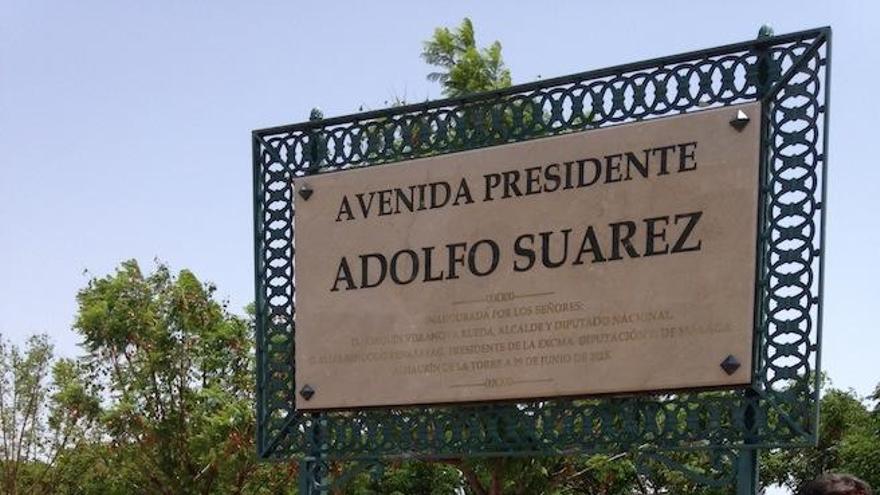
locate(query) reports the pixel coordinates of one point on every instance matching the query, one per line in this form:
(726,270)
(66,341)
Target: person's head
(836,484)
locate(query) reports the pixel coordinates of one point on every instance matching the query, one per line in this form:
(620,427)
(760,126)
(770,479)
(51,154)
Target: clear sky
(125,126)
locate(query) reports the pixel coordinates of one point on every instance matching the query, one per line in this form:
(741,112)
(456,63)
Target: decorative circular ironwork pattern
(788,73)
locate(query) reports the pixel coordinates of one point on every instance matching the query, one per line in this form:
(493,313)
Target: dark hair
(836,484)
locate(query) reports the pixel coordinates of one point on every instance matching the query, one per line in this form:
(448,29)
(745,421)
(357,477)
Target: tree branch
(469,474)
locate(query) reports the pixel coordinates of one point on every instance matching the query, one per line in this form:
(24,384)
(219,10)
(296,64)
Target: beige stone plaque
(609,261)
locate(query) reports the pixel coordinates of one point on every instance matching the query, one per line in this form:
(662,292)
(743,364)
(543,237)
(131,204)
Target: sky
(125,126)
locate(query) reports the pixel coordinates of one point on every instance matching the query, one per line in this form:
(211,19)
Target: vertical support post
(311,476)
(259,298)
(312,468)
(747,469)
(305,478)
(747,472)
(817,383)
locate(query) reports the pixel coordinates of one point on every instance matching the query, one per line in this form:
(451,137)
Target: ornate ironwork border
(788,73)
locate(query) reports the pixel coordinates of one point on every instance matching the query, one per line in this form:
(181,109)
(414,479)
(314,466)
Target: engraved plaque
(614,260)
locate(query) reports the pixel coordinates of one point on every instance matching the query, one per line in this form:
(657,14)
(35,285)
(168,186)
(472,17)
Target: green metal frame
(789,74)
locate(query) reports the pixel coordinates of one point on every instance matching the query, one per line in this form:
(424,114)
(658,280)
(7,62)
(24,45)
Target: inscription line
(534,294)
(536,380)
(468,301)
(511,382)
(516,296)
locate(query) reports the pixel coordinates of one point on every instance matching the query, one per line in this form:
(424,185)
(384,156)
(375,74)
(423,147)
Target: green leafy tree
(74,420)
(404,478)
(597,475)
(462,69)
(849,442)
(24,389)
(570,475)
(174,372)
(44,413)
(465,68)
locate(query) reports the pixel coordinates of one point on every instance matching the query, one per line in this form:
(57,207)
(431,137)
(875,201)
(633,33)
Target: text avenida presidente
(663,234)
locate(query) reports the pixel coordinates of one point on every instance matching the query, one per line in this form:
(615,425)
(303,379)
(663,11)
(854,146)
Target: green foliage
(408,478)
(24,430)
(599,475)
(681,472)
(849,442)
(603,475)
(465,68)
(161,402)
(171,383)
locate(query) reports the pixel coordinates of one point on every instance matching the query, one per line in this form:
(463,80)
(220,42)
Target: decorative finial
(766,31)
(316,114)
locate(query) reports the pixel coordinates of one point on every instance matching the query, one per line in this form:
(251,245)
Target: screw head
(307,392)
(305,192)
(740,120)
(730,364)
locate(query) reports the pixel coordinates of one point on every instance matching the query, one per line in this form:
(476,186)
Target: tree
(464,68)
(849,441)
(596,475)
(43,414)
(74,421)
(567,475)
(404,478)
(174,370)
(24,387)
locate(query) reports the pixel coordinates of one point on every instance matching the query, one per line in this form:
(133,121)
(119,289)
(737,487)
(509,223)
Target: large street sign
(605,261)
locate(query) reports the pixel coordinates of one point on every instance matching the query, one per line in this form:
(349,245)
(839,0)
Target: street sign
(610,260)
